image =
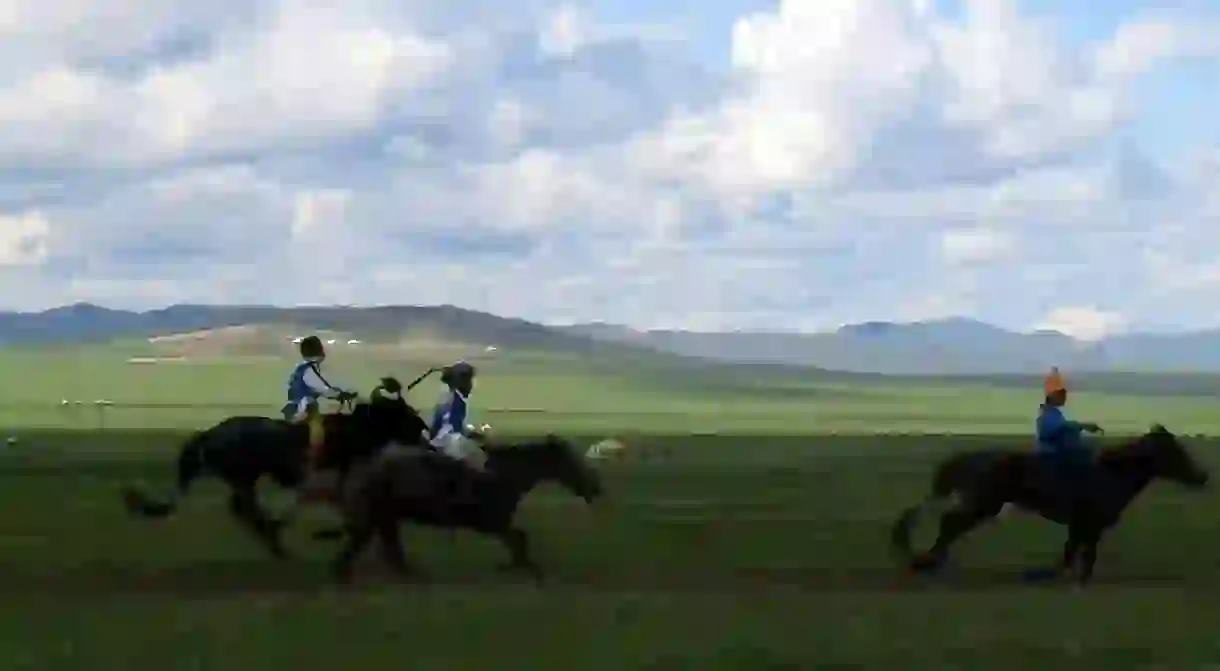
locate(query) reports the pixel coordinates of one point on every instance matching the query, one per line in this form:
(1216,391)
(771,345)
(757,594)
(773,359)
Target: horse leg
(358,539)
(1067,561)
(954,524)
(1088,541)
(521,559)
(243,503)
(389,536)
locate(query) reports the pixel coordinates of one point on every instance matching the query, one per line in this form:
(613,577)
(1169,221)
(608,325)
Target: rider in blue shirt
(450,434)
(1060,440)
(305,386)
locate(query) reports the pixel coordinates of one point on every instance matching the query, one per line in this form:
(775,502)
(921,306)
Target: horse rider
(450,435)
(305,386)
(1060,439)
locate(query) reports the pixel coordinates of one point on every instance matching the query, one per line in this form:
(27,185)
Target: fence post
(101,406)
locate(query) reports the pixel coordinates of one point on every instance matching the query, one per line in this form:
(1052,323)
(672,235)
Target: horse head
(549,458)
(1161,453)
(388,416)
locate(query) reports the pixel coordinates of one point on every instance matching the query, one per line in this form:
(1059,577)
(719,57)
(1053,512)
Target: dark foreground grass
(729,554)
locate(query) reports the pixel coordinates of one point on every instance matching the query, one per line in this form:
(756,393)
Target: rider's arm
(1052,425)
(318,385)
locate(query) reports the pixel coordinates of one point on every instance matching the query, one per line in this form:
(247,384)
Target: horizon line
(572,324)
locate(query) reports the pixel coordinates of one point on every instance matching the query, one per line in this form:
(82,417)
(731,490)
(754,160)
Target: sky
(711,165)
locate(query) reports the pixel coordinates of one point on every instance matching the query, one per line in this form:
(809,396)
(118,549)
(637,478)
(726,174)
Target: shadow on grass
(219,578)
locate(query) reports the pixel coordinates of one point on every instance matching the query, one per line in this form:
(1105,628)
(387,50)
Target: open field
(733,553)
(660,395)
(763,548)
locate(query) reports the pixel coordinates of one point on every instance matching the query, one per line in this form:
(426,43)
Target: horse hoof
(1040,574)
(924,564)
(412,577)
(523,570)
(412,573)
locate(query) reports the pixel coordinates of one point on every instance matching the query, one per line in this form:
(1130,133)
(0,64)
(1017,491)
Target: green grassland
(731,553)
(528,391)
(762,548)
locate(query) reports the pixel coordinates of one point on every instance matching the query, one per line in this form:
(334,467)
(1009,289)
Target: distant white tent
(297,340)
(353,342)
(330,342)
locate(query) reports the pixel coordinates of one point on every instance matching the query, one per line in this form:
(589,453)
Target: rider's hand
(1093,428)
(347,396)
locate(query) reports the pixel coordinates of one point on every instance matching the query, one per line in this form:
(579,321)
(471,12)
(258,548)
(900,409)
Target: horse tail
(944,483)
(190,467)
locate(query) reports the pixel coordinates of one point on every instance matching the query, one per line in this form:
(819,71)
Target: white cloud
(509,121)
(1139,46)
(1082,322)
(974,245)
(23,238)
(862,159)
(564,32)
(815,91)
(295,72)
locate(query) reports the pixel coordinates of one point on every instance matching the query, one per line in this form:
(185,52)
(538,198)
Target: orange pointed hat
(1054,382)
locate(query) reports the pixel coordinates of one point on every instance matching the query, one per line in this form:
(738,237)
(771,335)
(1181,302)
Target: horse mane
(531,445)
(520,450)
(1128,449)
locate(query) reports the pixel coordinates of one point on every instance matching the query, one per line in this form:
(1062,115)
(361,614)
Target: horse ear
(1158,428)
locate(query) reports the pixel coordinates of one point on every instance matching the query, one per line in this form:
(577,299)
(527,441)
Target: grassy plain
(652,396)
(763,548)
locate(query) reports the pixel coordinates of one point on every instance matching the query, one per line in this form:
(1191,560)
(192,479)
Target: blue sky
(714,165)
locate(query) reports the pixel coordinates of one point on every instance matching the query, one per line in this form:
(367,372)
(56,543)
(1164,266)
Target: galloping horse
(417,486)
(985,481)
(241,450)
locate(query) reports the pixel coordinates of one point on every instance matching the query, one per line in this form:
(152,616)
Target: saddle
(1063,484)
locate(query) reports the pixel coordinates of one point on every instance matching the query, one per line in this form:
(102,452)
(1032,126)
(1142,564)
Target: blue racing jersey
(1057,434)
(449,415)
(298,389)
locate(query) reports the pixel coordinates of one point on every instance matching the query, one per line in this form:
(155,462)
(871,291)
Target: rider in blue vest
(450,434)
(1060,440)
(305,386)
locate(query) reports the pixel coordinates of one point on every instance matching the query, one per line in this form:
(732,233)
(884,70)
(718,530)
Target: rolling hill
(950,347)
(86,323)
(945,347)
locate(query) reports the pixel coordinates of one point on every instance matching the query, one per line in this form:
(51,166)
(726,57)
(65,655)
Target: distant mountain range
(955,346)
(86,323)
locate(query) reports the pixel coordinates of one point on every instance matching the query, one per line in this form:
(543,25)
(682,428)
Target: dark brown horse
(240,451)
(414,485)
(972,488)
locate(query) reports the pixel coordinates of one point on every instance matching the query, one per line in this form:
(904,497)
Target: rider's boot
(314,487)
